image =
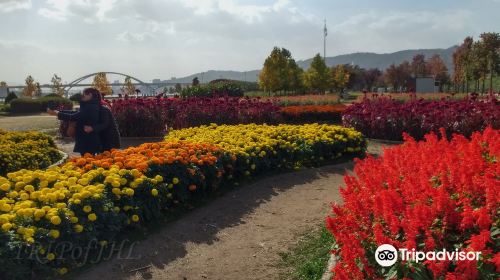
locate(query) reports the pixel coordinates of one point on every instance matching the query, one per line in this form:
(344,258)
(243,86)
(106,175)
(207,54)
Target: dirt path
(237,236)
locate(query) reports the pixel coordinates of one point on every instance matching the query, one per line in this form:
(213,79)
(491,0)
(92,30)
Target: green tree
(128,88)
(294,77)
(30,89)
(101,84)
(478,65)
(57,85)
(317,77)
(491,42)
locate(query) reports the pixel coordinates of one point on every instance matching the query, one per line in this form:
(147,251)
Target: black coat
(87,115)
(107,129)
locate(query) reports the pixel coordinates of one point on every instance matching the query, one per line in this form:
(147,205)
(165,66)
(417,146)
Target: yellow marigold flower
(54,233)
(51,256)
(56,220)
(62,271)
(129,192)
(6,226)
(135,218)
(92,217)
(87,209)
(154,192)
(175,180)
(158,178)
(78,228)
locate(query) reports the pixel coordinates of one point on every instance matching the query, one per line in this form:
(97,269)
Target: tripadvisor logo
(387,255)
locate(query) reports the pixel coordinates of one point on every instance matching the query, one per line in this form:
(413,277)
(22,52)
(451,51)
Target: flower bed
(29,150)
(93,199)
(155,115)
(387,119)
(430,195)
(266,147)
(313,113)
(307,99)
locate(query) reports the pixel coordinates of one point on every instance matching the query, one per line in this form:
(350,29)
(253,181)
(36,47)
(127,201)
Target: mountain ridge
(362,59)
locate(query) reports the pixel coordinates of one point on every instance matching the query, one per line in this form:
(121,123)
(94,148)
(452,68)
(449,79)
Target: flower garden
(98,197)
(412,198)
(433,194)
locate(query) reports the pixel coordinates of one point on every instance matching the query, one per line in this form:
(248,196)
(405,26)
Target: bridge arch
(77,81)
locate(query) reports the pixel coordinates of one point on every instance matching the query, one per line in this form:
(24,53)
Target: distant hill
(205,77)
(363,60)
(383,61)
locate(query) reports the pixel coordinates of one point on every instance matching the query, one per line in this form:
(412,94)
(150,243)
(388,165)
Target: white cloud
(7,6)
(90,10)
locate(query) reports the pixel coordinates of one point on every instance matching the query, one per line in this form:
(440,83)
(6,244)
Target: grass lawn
(307,260)
(33,122)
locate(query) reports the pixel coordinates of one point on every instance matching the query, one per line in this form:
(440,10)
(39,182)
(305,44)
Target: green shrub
(229,88)
(38,105)
(11,96)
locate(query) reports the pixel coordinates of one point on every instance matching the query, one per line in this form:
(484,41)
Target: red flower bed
(430,195)
(385,118)
(151,117)
(312,113)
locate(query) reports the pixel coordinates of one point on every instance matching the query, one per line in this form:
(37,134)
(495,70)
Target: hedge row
(37,105)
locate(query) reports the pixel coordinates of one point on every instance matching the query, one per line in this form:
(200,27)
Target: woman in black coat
(107,128)
(88,115)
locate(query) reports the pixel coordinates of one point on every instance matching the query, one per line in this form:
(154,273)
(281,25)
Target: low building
(426,85)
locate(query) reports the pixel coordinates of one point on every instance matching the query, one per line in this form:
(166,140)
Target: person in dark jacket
(107,128)
(88,115)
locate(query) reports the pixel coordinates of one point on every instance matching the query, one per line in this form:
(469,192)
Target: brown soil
(236,236)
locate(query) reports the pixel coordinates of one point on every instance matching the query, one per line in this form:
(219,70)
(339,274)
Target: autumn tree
(371,77)
(280,72)
(38,91)
(317,77)
(419,66)
(438,70)
(101,83)
(398,76)
(339,77)
(128,87)
(3,84)
(462,62)
(57,87)
(30,89)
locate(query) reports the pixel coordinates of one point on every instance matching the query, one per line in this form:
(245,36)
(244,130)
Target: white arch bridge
(153,87)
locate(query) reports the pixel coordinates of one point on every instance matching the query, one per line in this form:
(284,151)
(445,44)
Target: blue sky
(163,38)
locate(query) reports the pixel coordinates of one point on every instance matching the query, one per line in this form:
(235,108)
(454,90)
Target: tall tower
(325,33)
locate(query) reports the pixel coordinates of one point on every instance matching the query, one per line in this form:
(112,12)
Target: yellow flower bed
(277,146)
(30,150)
(92,199)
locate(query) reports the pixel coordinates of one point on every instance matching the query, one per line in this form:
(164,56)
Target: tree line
(474,63)
(100,82)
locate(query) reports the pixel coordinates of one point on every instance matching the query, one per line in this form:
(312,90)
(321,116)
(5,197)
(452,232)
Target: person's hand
(88,129)
(52,112)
